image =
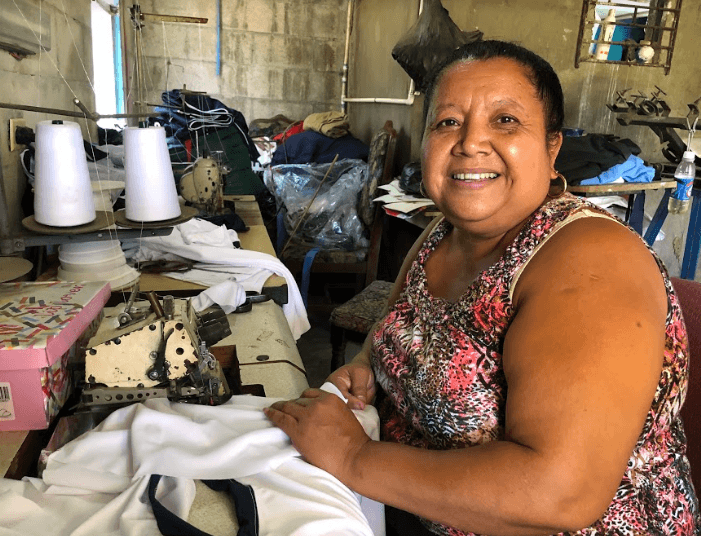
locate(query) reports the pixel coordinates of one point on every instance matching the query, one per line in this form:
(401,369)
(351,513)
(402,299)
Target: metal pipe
(382,100)
(218,37)
(346,56)
(69,113)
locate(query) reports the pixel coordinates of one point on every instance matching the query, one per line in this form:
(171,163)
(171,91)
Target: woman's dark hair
(542,76)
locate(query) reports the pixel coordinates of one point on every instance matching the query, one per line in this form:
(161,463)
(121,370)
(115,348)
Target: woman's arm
(582,360)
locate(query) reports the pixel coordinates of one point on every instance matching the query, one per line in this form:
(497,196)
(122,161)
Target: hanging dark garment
(429,41)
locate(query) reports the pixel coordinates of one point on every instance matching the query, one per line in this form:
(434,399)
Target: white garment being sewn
(96,484)
(205,242)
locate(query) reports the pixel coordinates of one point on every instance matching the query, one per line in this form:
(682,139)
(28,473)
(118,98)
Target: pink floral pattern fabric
(440,369)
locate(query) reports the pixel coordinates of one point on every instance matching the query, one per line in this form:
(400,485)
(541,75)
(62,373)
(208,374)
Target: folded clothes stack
(332,124)
(601,159)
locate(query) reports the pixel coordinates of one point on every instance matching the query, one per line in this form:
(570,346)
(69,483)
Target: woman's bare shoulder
(594,249)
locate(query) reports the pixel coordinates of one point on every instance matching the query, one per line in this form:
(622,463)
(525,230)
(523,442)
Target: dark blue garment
(176,116)
(310,147)
(244,499)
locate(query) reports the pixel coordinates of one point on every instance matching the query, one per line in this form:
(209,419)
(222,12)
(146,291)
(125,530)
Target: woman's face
(486,162)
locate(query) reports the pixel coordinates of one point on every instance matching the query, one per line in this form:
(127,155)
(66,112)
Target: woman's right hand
(356,381)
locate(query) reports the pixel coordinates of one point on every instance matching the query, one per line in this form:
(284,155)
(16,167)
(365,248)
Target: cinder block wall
(277,56)
(50,79)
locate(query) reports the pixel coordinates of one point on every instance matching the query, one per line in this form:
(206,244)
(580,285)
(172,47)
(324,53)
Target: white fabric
(192,240)
(210,275)
(228,295)
(96,484)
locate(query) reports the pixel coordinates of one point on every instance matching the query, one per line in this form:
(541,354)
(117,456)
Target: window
(628,32)
(107,68)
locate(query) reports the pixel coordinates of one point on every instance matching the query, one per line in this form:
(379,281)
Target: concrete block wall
(277,56)
(51,79)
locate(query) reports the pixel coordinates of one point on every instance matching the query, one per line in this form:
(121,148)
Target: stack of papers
(397,202)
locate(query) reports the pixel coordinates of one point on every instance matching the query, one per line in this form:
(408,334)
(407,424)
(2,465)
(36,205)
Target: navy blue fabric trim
(246,509)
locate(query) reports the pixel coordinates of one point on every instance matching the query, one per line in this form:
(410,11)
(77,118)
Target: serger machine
(156,349)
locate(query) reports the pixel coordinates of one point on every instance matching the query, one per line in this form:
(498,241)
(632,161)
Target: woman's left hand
(322,428)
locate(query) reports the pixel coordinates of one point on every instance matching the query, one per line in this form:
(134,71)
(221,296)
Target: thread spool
(96,261)
(62,190)
(150,186)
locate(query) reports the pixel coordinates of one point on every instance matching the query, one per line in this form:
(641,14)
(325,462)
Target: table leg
(637,215)
(693,238)
(658,219)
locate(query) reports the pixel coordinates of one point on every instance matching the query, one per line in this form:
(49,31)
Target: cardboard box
(41,328)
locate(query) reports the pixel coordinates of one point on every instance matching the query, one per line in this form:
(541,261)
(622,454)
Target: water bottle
(684,175)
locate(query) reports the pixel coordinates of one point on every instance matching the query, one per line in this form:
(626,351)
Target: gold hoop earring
(564,186)
(422,189)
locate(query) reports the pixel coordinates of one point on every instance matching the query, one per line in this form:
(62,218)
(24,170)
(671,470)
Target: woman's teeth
(475,176)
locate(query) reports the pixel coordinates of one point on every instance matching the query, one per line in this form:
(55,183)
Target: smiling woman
(526,382)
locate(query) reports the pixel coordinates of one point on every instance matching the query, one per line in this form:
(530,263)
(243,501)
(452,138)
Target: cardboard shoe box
(42,326)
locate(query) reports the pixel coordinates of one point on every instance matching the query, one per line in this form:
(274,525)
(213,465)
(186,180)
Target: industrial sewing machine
(154,349)
(202,184)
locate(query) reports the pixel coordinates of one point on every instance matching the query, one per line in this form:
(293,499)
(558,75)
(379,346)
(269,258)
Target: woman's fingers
(281,418)
(321,428)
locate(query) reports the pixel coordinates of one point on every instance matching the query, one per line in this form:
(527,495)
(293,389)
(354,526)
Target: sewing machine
(202,184)
(153,349)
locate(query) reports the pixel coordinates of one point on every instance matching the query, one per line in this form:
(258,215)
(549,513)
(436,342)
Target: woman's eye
(446,123)
(507,120)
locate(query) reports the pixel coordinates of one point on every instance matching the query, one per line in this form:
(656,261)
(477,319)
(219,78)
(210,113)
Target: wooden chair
(689,294)
(301,259)
(358,315)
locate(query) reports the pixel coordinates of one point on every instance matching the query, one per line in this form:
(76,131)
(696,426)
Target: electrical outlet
(14,123)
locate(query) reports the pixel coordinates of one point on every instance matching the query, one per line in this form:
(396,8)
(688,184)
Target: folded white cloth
(96,483)
(209,275)
(203,241)
(228,295)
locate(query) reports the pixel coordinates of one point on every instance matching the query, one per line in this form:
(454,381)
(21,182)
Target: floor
(315,345)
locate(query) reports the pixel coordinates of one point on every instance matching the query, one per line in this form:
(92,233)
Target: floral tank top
(439,365)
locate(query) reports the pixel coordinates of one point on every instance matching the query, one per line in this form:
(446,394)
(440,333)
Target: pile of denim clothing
(184,114)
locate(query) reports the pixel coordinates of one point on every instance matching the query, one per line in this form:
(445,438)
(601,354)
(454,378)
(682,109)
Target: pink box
(41,327)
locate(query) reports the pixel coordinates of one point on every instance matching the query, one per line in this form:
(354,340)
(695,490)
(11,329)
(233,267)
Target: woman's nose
(473,138)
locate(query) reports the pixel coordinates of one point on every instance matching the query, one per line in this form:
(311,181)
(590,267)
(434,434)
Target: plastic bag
(429,41)
(410,179)
(332,221)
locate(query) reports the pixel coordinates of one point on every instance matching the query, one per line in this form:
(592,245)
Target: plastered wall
(277,56)
(51,79)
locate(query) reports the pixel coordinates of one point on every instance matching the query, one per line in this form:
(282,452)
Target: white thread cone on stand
(96,261)
(62,191)
(150,186)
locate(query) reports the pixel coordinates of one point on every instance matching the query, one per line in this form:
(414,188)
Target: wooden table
(262,332)
(267,355)
(636,201)
(255,239)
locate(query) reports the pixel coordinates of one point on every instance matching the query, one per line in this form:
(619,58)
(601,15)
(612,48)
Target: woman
(533,359)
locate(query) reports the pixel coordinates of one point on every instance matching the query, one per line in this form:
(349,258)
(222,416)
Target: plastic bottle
(684,175)
(608,25)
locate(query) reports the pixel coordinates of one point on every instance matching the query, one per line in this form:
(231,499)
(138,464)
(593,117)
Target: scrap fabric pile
(99,483)
(183,114)
(601,159)
(317,140)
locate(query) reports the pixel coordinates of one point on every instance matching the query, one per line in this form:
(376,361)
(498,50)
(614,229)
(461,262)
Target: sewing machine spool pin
(125,317)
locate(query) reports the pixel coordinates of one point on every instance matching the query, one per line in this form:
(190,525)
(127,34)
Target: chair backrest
(689,294)
(381,159)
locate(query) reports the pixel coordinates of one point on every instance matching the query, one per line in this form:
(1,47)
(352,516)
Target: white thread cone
(150,186)
(62,190)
